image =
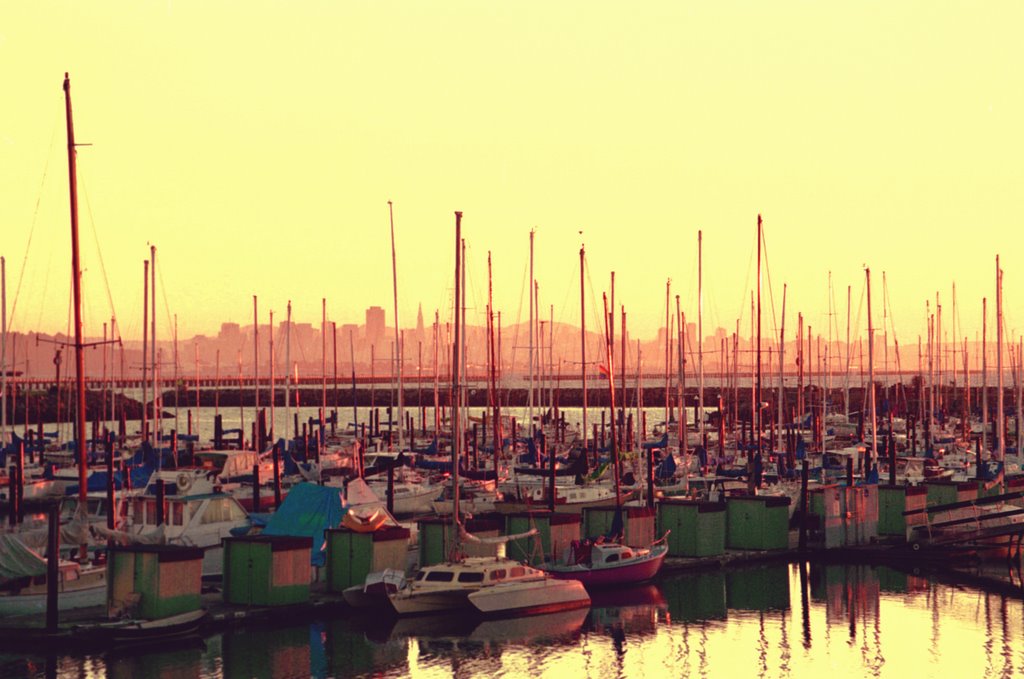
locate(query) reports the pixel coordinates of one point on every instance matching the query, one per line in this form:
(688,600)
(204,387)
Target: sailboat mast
(610,351)
(757,410)
(984,374)
(846,376)
(76,268)
(3,354)
(323,360)
(529,416)
(398,341)
(273,383)
(782,362)
(145,349)
(700,336)
(288,371)
(1000,430)
(255,359)
(871,378)
(152,346)
(668,351)
(456,392)
(492,391)
(583,351)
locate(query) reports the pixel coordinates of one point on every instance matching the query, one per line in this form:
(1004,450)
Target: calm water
(784,620)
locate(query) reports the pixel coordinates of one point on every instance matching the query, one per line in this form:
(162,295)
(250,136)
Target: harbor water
(780,620)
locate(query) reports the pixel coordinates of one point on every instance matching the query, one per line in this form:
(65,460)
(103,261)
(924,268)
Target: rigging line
(771,296)
(519,316)
(598,321)
(32,228)
(746,284)
(99,252)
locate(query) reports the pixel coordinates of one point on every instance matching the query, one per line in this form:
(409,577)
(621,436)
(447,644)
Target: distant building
(230,332)
(374,324)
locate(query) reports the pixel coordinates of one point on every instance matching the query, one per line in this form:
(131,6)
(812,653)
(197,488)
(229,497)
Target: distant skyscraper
(374,324)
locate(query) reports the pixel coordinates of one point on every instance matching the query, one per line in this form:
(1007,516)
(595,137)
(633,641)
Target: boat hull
(432,601)
(622,573)
(90,592)
(530,597)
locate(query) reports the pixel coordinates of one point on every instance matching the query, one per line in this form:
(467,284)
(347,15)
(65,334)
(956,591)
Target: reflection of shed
(267,570)
(696,597)
(763,588)
(153,581)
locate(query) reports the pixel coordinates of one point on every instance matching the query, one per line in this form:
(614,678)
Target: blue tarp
(667,468)
(97,481)
(307,511)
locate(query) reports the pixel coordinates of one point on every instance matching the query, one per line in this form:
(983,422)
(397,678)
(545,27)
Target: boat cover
(307,511)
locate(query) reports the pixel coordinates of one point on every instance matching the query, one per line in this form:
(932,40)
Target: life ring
(184,482)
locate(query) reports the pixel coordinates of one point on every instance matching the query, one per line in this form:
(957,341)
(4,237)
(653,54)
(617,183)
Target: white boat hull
(530,596)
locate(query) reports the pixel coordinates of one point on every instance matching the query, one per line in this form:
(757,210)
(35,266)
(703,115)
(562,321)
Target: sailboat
(485,585)
(79,584)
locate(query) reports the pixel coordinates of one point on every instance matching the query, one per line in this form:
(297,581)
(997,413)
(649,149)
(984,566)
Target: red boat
(606,564)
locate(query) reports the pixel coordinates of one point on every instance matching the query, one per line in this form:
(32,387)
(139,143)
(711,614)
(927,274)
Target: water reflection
(777,620)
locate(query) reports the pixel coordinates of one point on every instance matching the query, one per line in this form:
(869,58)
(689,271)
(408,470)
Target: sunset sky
(257,144)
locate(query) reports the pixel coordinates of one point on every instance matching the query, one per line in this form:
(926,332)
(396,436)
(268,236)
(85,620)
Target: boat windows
(517,572)
(222,509)
(471,576)
(627,555)
(177,514)
(440,576)
(612,558)
(498,574)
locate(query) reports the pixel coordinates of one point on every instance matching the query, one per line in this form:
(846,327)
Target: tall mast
(145,349)
(288,371)
(583,351)
(1000,430)
(456,391)
(782,363)
(529,416)
(256,356)
(668,351)
(323,359)
(3,354)
(437,403)
(492,395)
(152,347)
(610,351)
(984,374)
(871,376)
(76,269)
(757,410)
(700,336)
(352,363)
(398,341)
(846,377)
(273,382)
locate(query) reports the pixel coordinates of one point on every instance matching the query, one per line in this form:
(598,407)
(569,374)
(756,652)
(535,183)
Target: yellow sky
(256,144)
